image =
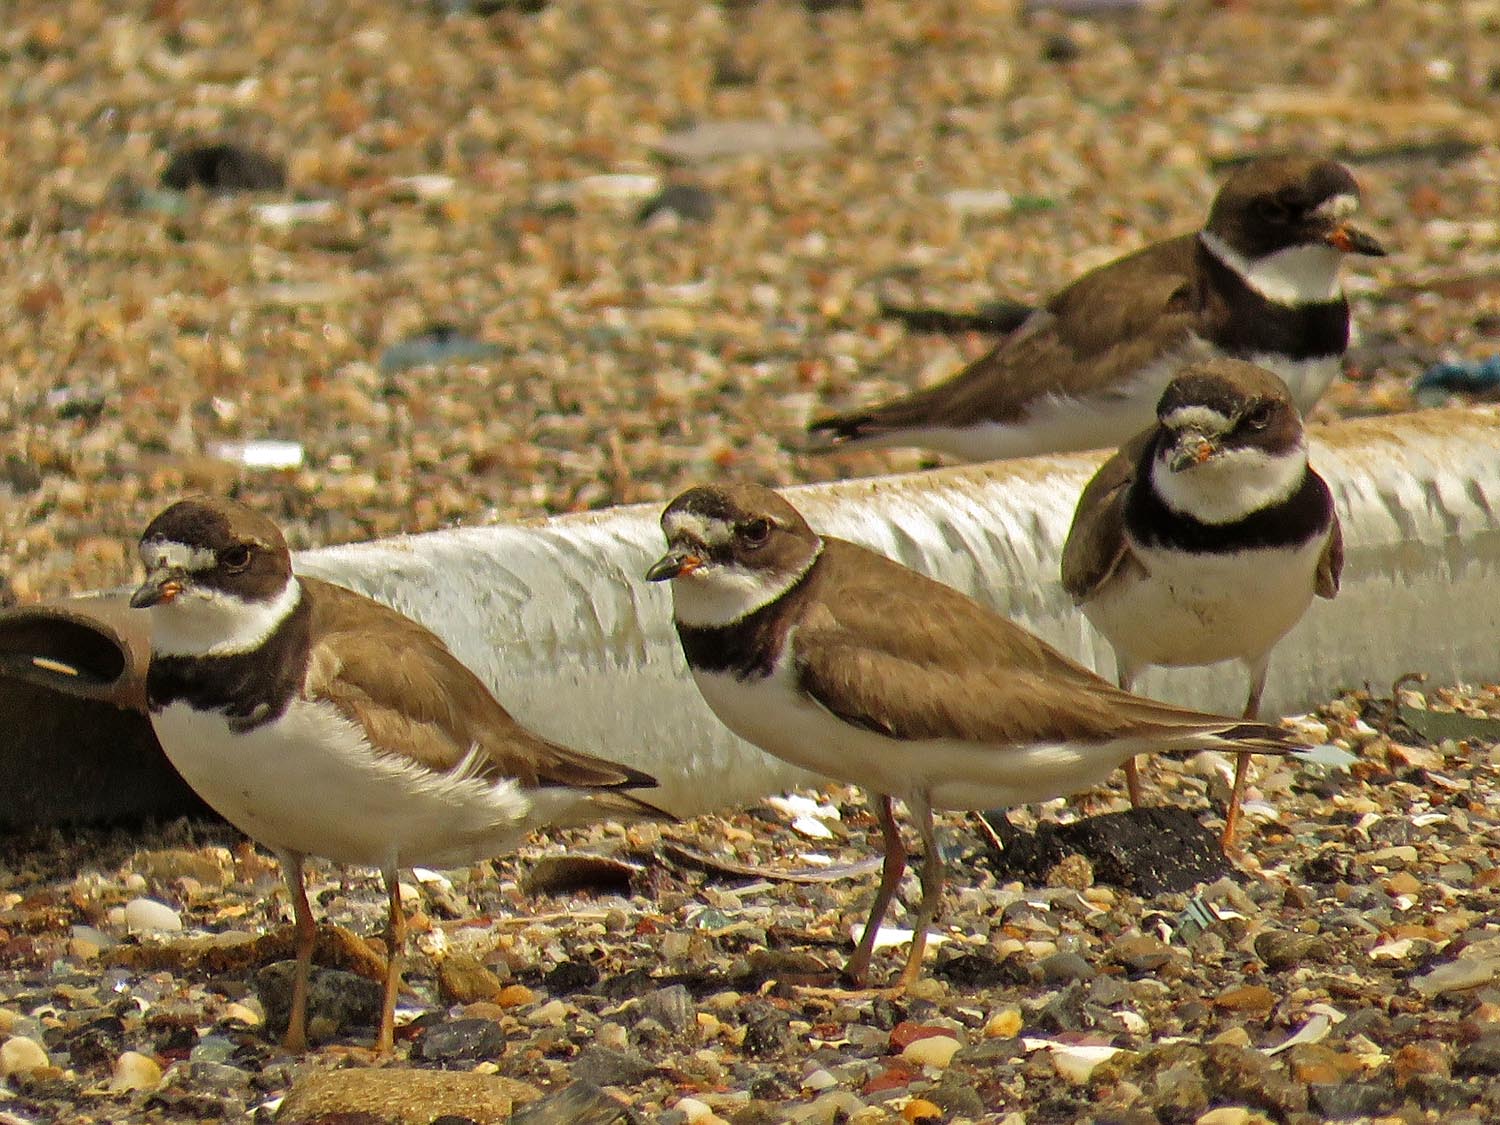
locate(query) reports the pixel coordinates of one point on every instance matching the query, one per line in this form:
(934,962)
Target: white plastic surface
(555,617)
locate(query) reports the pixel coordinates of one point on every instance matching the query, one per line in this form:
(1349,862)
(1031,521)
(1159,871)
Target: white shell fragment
(889,937)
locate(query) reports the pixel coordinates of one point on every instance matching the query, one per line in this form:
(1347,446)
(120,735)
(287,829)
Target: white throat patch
(1231,486)
(719,594)
(1298,275)
(203,622)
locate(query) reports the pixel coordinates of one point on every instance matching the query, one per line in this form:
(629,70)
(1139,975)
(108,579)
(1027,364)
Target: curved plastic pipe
(554,615)
(556,618)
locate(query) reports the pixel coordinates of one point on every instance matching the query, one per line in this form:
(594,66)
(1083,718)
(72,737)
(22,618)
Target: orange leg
(932,887)
(1242,759)
(395,940)
(306,932)
(1126,680)
(858,967)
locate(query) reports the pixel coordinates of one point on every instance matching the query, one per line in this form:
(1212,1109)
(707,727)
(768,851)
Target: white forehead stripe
(1198,418)
(1337,207)
(711,532)
(160,553)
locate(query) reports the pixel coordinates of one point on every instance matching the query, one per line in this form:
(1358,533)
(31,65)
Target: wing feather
(1096,545)
(416,700)
(1331,562)
(895,652)
(1110,323)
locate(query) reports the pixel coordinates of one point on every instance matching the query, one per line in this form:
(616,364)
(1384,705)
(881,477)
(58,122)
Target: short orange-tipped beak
(1352,240)
(1192,448)
(674,564)
(159,588)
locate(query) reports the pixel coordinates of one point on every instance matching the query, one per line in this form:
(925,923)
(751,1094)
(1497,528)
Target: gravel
(547,257)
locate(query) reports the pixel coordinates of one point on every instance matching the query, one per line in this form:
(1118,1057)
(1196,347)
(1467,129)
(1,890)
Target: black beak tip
(145,597)
(663,569)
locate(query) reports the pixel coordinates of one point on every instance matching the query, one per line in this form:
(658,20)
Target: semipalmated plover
(320,722)
(841,661)
(1259,282)
(1206,537)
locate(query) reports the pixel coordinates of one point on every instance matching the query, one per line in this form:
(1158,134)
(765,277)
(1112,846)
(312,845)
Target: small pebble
(934,1051)
(927,988)
(146,915)
(515,996)
(464,980)
(1227,1115)
(1004,1024)
(236,1012)
(20,1055)
(819,1079)
(135,1071)
(554,1013)
(695,1112)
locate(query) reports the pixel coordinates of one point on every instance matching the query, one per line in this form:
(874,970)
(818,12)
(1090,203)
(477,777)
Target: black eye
(1259,417)
(1272,210)
(236,557)
(755,532)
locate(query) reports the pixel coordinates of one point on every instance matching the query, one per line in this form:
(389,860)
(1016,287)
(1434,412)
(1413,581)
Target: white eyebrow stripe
(1337,206)
(711,532)
(157,553)
(1198,418)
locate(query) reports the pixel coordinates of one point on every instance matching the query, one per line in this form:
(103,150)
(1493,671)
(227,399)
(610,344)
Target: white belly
(1201,609)
(771,714)
(1307,379)
(1055,425)
(1061,424)
(310,783)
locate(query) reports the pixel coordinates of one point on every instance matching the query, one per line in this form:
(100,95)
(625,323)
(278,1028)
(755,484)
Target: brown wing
(1331,563)
(416,700)
(887,649)
(1110,322)
(1096,544)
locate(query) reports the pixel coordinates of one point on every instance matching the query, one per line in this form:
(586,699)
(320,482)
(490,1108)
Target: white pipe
(555,617)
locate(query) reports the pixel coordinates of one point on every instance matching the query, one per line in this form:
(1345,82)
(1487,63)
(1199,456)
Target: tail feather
(999,317)
(1262,738)
(1233,736)
(841,429)
(613,805)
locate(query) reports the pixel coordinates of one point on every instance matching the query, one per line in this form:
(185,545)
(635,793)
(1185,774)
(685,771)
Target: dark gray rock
(688,202)
(344,1001)
(1435,1092)
(580,1103)
(463,1039)
(1283,949)
(571,976)
(1480,1057)
(1351,1099)
(605,1066)
(672,1007)
(958,1096)
(1065,968)
(223,168)
(766,1030)
(1149,851)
